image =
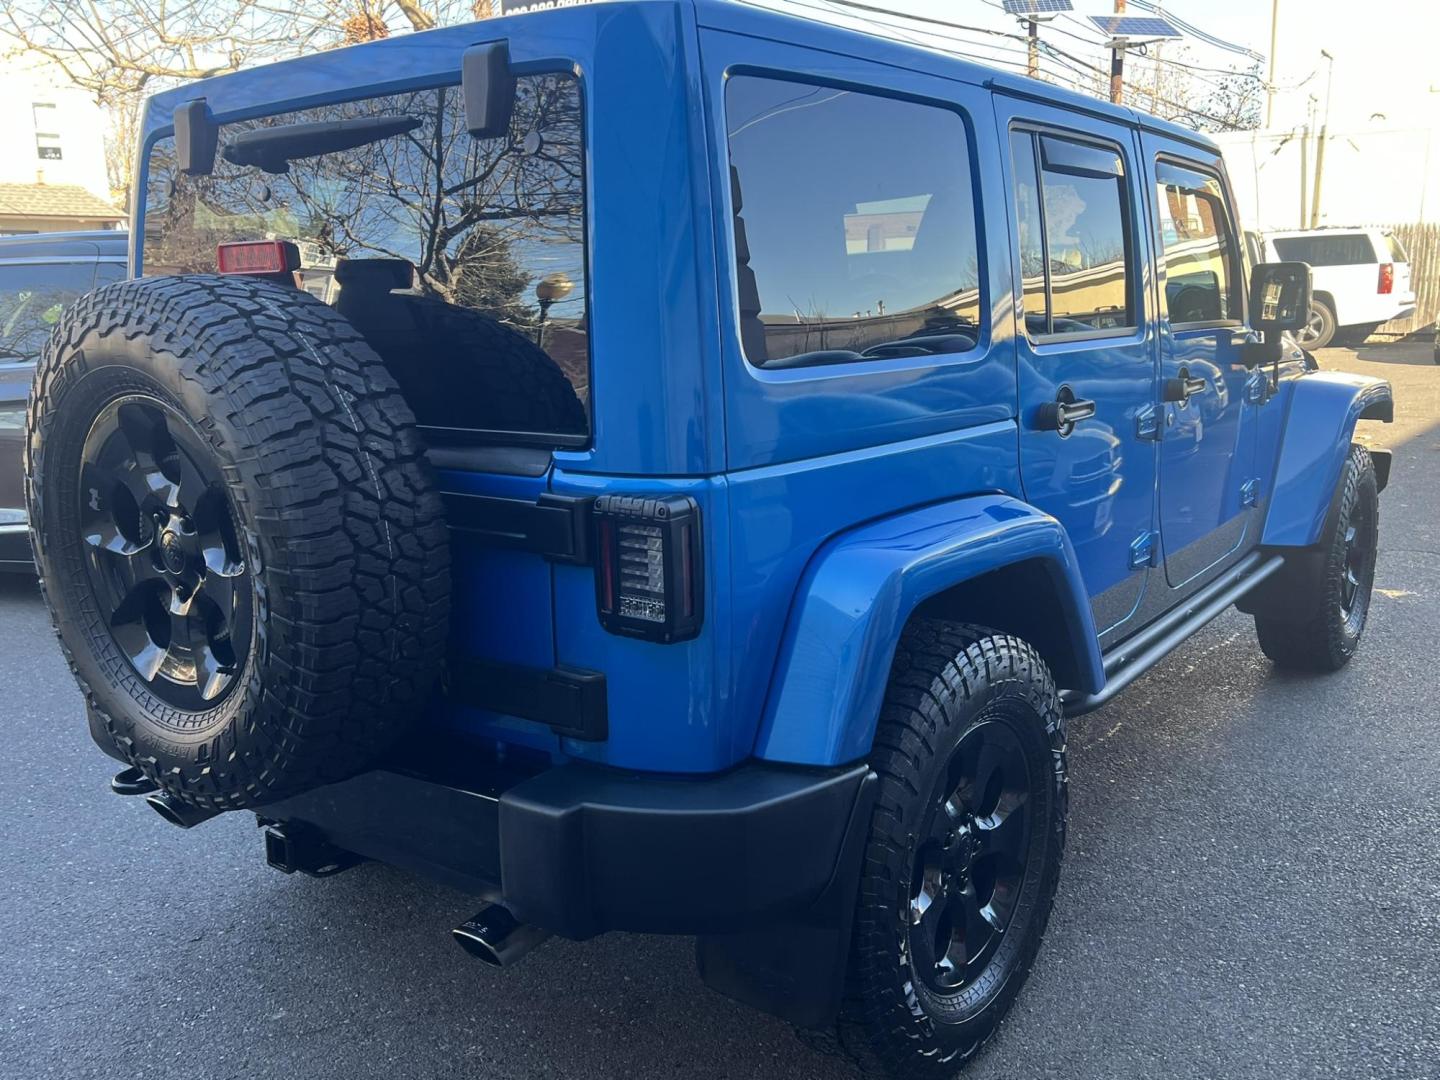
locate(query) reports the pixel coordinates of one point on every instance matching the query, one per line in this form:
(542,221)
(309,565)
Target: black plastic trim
(581,849)
(509,460)
(586,849)
(571,701)
(1136,655)
(556,526)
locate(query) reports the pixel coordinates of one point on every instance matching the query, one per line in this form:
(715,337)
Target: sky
(1387,52)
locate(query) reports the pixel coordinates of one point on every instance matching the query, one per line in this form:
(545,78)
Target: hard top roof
(411,60)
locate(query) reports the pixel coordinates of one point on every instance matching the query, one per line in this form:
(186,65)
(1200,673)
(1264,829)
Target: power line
(1065,59)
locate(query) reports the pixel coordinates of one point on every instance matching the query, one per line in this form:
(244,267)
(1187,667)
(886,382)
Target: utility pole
(1117,62)
(1270,81)
(1032,46)
(1305,174)
(1320,147)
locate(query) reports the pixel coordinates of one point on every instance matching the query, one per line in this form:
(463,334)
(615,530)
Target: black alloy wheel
(163,558)
(1360,537)
(963,854)
(969,870)
(1311,615)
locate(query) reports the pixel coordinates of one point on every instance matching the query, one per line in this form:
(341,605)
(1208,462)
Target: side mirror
(1279,302)
(489,88)
(1280,297)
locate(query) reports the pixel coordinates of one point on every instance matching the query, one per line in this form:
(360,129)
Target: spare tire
(237,533)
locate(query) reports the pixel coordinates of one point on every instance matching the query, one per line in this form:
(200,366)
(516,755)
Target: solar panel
(1036,7)
(1135,26)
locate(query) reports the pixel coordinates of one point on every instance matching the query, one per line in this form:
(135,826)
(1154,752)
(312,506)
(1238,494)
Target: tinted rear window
(446,251)
(855,225)
(1337,249)
(31,299)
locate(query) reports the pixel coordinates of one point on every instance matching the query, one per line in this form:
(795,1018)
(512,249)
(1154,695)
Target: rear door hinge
(1250,493)
(1147,423)
(1143,550)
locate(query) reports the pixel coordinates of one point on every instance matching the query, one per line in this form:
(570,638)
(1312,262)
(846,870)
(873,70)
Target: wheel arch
(1328,298)
(988,559)
(1319,424)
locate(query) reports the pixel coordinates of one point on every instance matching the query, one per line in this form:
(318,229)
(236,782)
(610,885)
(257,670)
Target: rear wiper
(272,149)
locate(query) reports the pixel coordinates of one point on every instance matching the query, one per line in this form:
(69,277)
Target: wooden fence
(1423,244)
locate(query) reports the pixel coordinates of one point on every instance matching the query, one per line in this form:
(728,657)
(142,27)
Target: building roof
(55,201)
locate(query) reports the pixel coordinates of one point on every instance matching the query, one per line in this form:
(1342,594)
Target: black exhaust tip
(176,812)
(496,937)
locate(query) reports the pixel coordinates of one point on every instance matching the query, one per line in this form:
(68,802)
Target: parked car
(39,276)
(1361,280)
(707,534)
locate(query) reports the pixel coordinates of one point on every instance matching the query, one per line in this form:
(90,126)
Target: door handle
(1064,412)
(1183,387)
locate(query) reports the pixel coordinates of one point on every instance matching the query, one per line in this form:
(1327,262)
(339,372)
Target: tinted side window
(1396,248)
(1030,227)
(1085,220)
(31,299)
(1201,276)
(461,260)
(855,225)
(1340,249)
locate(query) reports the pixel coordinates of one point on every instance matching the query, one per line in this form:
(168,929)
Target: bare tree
(122,50)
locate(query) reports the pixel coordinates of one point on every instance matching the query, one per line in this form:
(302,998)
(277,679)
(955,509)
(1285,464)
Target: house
(40,207)
(52,173)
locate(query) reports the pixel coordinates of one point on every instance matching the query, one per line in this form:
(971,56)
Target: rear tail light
(1387,278)
(649,581)
(275,260)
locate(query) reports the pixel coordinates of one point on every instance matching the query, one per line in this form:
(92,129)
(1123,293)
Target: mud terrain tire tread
(331,489)
(1322,640)
(943,677)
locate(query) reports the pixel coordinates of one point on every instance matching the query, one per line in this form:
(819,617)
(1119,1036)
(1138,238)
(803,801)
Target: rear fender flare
(1324,407)
(861,588)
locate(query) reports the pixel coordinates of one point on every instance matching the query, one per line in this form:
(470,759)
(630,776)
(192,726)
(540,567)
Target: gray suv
(40,275)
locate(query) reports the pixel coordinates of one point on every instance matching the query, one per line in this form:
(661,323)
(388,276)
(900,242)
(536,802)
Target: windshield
(31,299)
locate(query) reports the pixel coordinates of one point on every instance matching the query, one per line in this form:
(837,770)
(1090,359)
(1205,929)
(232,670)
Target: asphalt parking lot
(1251,889)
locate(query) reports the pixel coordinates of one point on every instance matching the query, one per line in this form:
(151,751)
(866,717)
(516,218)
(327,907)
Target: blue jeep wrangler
(670,466)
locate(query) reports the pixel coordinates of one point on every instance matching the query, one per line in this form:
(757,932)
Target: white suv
(1361,276)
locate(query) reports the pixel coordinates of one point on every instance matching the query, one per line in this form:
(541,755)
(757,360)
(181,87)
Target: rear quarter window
(855,225)
(1337,249)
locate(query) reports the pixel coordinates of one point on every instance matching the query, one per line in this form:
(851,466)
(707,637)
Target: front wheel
(963,855)
(1332,585)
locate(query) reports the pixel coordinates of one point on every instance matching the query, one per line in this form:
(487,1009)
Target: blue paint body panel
(1320,418)
(833,499)
(862,587)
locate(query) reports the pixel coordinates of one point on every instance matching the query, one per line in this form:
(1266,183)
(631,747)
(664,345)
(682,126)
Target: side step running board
(1133,657)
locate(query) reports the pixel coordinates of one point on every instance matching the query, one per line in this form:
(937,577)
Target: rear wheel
(1331,587)
(964,851)
(1319,329)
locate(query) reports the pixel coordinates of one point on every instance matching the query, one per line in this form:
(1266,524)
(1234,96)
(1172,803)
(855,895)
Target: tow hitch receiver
(293,846)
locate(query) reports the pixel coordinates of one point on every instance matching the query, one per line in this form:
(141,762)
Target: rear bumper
(579,849)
